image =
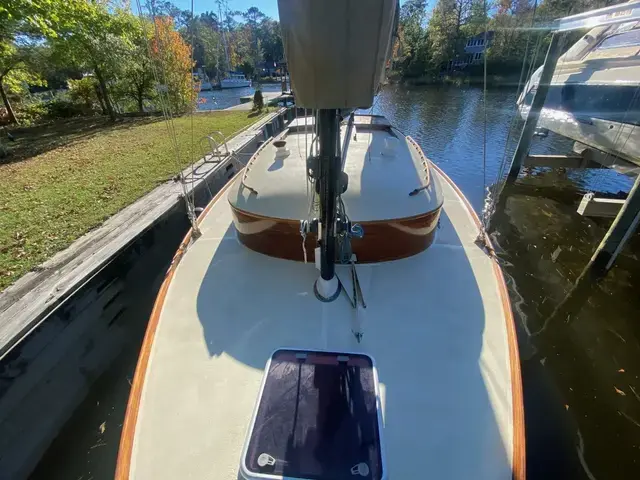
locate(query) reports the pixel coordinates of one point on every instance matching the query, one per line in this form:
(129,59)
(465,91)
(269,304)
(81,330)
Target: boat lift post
(628,217)
(603,258)
(526,137)
(619,233)
(623,12)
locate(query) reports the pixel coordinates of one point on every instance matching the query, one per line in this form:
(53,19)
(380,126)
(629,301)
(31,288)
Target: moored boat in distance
(201,79)
(334,315)
(593,96)
(235,80)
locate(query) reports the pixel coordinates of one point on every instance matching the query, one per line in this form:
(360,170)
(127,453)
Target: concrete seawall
(62,326)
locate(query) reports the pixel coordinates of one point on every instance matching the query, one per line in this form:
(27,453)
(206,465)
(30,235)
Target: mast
(336,53)
(327,287)
(224,36)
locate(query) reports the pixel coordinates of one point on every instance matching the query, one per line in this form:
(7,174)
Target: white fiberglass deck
(434,324)
(379,180)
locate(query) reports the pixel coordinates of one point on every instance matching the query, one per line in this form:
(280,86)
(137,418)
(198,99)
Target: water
(221,99)
(580,369)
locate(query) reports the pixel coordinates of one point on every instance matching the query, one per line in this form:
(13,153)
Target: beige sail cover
(336,49)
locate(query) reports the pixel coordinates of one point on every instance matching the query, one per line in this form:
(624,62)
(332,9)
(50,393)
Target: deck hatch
(317,418)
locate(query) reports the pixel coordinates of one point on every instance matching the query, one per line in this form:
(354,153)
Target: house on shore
(270,69)
(474,50)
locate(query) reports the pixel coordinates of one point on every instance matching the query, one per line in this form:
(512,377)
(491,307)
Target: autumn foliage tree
(172,60)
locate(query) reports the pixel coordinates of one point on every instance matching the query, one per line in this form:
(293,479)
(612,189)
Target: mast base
(327,290)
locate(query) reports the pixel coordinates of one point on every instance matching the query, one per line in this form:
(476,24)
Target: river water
(580,368)
(221,99)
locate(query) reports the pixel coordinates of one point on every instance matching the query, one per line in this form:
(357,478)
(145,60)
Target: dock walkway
(270,98)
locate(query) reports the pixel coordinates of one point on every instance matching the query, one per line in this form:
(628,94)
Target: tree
(83,91)
(478,18)
(19,61)
(240,48)
(254,39)
(207,44)
(258,101)
(136,81)
(443,31)
(253,18)
(10,59)
(172,59)
(413,36)
(17,72)
(97,39)
(159,8)
(270,40)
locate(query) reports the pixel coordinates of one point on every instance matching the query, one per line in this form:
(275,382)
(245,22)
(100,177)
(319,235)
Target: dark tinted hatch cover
(317,418)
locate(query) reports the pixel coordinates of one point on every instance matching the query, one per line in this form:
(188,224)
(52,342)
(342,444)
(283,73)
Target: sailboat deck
(436,324)
(380,179)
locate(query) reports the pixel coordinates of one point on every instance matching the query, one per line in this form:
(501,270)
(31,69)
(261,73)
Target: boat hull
(614,138)
(593,96)
(235,83)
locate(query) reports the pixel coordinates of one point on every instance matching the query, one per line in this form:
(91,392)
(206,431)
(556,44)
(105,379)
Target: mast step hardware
(343,183)
(313,166)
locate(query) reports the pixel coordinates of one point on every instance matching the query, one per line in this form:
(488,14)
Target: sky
(268,7)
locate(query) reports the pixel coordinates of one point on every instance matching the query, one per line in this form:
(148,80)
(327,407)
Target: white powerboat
(235,80)
(333,315)
(594,95)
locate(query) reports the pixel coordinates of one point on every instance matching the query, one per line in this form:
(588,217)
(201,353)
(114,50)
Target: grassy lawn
(62,180)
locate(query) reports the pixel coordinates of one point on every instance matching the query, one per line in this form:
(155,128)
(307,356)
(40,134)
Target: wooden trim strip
(297,222)
(383,240)
(519,471)
(127,437)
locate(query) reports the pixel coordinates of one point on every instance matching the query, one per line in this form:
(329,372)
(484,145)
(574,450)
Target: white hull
(234,83)
(593,96)
(619,139)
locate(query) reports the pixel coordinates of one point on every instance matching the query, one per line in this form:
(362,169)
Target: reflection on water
(588,350)
(580,369)
(221,99)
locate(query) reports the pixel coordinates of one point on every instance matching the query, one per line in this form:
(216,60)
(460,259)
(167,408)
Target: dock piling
(619,233)
(524,143)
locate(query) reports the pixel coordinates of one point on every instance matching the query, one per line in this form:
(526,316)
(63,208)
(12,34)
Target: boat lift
(627,212)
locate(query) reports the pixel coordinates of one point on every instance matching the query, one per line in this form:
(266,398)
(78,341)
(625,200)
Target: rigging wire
(492,191)
(514,119)
(160,77)
(192,92)
(484,108)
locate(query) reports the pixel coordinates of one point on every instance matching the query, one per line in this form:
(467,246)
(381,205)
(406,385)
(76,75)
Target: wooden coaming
(383,240)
